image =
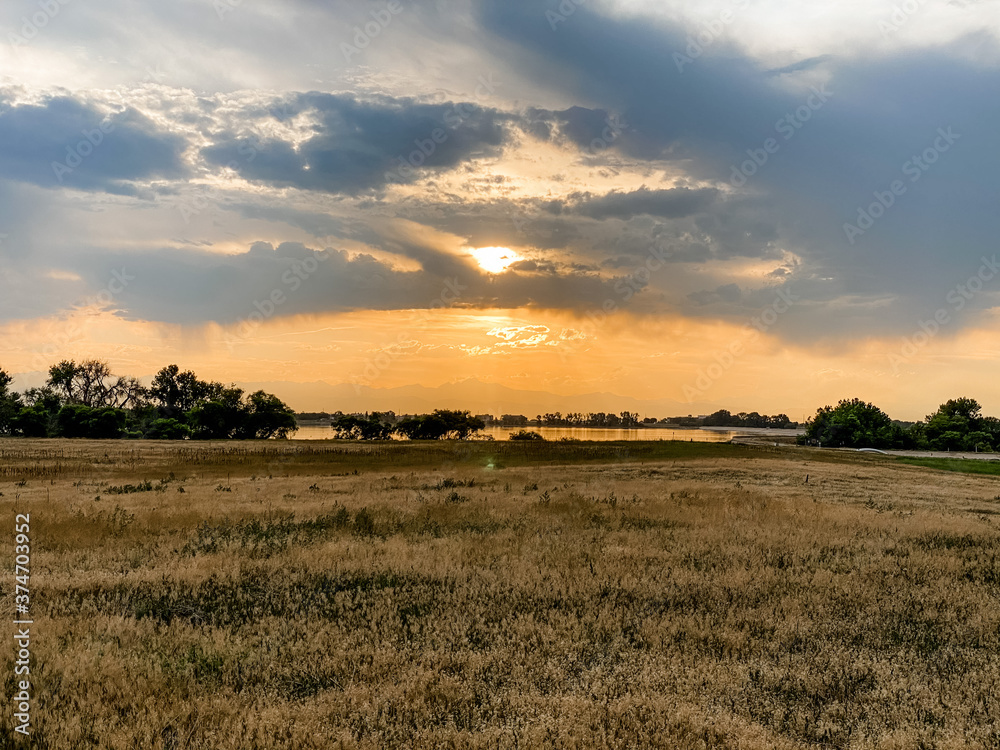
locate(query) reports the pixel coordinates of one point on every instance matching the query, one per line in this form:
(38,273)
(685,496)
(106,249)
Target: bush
(350,427)
(168,429)
(32,422)
(77,421)
(526,435)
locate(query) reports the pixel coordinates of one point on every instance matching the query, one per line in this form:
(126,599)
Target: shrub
(526,435)
(168,429)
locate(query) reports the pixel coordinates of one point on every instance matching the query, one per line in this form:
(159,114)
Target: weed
(128,489)
(364,523)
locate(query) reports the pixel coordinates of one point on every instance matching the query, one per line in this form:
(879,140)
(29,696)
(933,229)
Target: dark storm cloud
(363,144)
(628,66)
(63,141)
(585,128)
(814,142)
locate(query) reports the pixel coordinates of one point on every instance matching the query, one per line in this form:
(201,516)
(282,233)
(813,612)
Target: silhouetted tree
(267,416)
(221,418)
(79,421)
(177,392)
(526,435)
(10,404)
(351,427)
(91,383)
(443,423)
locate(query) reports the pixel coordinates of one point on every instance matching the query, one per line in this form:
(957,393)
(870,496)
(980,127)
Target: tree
(267,416)
(351,427)
(854,424)
(958,424)
(964,408)
(38,417)
(947,427)
(443,423)
(991,426)
(227,415)
(177,392)
(62,380)
(10,404)
(721,418)
(221,418)
(86,400)
(44,397)
(978,441)
(83,383)
(460,424)
(33,422)
(79,421)
(168,429)
(422,427)
(92,384)
(107,424)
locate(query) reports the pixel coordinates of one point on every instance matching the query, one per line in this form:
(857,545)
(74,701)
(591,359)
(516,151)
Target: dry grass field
(484,595)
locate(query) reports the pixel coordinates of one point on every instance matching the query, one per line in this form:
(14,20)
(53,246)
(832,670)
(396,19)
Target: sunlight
(495,259)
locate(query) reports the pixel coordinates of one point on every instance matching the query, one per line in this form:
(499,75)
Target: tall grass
(694,597)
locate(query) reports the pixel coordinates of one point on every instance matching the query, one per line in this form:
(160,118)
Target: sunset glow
(495,259)
(571,204)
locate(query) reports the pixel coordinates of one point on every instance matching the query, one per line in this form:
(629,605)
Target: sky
(755,204)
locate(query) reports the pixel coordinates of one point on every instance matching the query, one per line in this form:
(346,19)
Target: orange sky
(648,358)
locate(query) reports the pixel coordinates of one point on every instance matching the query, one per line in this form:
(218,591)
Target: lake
(319,432)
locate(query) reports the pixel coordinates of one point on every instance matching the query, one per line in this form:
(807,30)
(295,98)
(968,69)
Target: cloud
(842,129)
(517,168)
(587,129)
(354,143)
(192,287)
(66,141)
(726,293)
(665,204)
(517,335)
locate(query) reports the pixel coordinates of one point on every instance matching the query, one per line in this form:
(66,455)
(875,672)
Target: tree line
(440,425)
(86,400)
(624,419)
(957,425)
(724,418)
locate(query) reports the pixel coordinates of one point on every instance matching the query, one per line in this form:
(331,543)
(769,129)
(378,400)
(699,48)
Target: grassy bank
(39,459)
(963,466)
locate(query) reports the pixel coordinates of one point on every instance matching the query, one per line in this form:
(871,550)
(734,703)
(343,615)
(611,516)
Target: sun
(494,259)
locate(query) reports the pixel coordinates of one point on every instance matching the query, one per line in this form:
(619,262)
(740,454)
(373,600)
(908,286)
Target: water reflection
(319,432)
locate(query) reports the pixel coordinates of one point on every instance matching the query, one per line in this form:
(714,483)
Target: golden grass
(707,598)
